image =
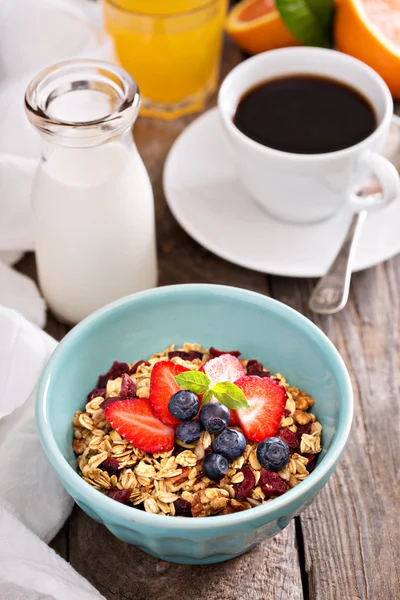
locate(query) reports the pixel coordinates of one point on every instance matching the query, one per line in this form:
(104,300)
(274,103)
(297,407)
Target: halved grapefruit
(256,26)
(370,31)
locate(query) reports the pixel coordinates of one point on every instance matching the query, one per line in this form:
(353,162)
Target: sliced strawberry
(162,387)
(134,421)
(234,418)
(267,401)
(225,368)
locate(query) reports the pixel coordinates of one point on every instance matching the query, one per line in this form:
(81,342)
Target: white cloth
(33,504)
(33,35)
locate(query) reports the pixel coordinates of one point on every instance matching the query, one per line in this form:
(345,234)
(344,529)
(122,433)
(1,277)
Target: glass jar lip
(176,15)
(82,74)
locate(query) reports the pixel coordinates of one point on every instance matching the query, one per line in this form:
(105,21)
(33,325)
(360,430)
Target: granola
(173,482)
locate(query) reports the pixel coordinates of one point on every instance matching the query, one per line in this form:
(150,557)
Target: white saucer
(208,201)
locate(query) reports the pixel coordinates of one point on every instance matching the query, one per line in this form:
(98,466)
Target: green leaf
(207,397)
(323,10)
(194,381)
(230,395)
(310,21)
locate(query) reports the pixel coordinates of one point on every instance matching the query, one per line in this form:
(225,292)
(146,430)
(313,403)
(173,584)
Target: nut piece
(236,505)
(302,418)
(212,493)
(79,446)
(187,496)
(219,503)
(197,506)
(303,401)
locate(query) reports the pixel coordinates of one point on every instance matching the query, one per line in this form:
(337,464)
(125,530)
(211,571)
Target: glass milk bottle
(92,198)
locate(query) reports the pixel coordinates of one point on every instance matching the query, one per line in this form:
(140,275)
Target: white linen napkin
(33,35)
(33,504)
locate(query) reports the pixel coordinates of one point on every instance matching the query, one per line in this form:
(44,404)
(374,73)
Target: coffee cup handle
(389,180)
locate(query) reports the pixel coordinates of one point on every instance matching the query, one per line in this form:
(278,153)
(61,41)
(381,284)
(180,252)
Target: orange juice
(172,49)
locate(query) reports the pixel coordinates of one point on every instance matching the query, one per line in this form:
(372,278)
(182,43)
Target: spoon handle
(332,291)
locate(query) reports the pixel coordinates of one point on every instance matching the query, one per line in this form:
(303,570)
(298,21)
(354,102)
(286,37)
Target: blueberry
(273,454)
(230,443)
(188,431)
(214,417)
(215,466)
(184,405)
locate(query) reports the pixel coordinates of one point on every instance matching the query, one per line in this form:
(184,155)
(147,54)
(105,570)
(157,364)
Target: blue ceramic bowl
(225,317)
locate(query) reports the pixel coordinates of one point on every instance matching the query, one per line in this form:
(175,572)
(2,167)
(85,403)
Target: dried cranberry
(243,489)
(215,352)
(119,495)
(290,437)
(252,362)
(271,484)
(286,413)
(109,401)
(303,429)
(192,355)
(116,370)
(312,462)
(96,392)
(260,374)
(182,508)
(256,368)
(111,465)
(137,365)
(128,387)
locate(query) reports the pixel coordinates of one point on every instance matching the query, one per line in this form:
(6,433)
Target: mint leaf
(207,397)
(310,21)
(229,394)
(194,381)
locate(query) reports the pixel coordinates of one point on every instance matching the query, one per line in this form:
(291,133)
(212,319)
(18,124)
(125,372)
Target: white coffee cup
(307,188)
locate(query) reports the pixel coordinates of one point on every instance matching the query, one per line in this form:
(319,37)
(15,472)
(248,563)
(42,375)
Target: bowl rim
(116,510)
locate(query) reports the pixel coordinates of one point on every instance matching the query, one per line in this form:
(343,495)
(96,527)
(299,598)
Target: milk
(94,223)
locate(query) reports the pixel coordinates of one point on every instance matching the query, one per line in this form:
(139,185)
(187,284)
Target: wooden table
(346,546)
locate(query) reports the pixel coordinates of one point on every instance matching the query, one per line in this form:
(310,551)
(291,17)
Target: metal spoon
(332,291)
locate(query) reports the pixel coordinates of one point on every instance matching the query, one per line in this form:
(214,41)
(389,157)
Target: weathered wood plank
(269,572)
(352,531)
(61,542)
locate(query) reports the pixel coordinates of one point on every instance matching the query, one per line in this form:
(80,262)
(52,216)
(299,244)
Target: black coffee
(305,114)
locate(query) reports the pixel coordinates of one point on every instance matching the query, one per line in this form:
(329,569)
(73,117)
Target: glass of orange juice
(172,48)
